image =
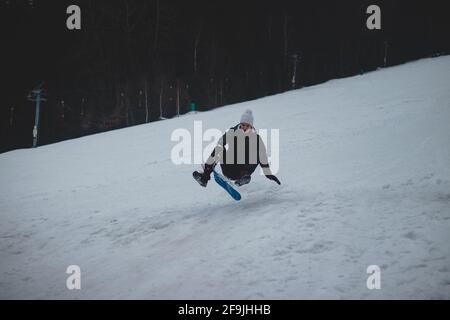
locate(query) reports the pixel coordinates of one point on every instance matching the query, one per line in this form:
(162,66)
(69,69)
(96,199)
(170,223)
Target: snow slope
(365,172)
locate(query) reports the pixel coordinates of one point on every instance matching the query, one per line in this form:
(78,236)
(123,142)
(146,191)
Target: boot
(205,176)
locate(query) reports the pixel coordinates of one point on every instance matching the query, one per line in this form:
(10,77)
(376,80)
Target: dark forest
(136,61)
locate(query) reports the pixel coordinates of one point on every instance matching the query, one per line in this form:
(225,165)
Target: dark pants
(237,171)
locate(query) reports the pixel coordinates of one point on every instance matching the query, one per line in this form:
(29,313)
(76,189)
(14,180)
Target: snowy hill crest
(365,165)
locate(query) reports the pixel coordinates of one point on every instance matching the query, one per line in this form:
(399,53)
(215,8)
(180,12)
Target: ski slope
(365,172)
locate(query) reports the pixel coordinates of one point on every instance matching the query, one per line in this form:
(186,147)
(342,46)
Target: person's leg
(245,175)
(249,169)
(203,177)
(231,171)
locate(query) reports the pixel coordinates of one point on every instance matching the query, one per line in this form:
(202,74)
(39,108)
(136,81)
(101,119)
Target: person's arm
(264,162)
(216,154)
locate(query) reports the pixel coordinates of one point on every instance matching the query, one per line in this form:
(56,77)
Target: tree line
(137,61)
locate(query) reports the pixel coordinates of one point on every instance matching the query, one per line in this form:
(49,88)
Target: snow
(365,172)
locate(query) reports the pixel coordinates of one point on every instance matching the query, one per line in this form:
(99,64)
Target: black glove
(272,177)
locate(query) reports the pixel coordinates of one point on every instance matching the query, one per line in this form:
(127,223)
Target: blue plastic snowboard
(221,181)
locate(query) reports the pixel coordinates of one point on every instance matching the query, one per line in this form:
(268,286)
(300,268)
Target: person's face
(245,126)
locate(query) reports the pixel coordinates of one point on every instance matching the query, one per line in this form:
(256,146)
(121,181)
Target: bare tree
(196,42)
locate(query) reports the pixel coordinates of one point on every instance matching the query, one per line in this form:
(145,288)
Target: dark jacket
(240,153)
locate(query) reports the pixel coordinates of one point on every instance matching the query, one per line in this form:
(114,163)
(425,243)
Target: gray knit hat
(247,117)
